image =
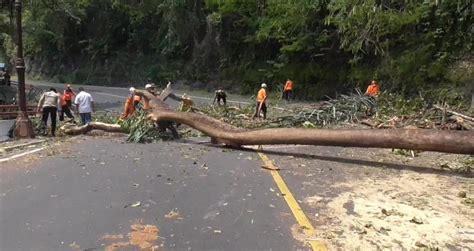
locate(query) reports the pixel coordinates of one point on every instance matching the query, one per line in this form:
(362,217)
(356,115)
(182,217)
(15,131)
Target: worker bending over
(162,125)
(48,104)
(186,103)
(130,104)
(220,95)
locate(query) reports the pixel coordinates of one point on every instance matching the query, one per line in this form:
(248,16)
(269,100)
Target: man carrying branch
(261,102)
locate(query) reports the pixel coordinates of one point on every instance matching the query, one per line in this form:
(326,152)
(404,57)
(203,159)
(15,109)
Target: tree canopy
(325,46)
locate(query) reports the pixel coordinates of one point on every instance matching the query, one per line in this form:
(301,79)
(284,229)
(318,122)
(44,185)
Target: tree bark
(413,139)
(76,130)
(461,142)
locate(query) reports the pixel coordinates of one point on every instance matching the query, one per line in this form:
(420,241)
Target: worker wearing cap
(186,103)
(151,89)
(129,107)
(162,125)
(68,95)
(261,102)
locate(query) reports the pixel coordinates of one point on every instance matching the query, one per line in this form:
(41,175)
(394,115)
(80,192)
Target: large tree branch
(76,130)
(414,139)
(221,132)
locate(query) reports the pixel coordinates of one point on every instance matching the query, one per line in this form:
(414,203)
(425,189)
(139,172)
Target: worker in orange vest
(68,95)
(64,109)
(130,104)
(261,102)
(288,90)
(373,90)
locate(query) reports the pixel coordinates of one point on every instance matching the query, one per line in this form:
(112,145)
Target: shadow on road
(360,162)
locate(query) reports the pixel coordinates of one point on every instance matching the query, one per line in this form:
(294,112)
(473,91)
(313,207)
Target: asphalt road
(100,193)
(89,193)
(112,98)
(76,198)
(5,126)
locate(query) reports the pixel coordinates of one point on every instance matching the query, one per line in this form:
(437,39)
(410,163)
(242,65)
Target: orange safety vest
(128,108)
(289,85)
(62,101)
(262,95)
(373,90)
(68,94)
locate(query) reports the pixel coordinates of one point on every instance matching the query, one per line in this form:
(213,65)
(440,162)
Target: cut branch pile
(344,109)
(436,117)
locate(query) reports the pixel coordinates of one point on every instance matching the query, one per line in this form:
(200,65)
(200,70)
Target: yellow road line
(295,208)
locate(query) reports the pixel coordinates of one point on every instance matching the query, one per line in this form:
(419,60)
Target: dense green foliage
(325,46)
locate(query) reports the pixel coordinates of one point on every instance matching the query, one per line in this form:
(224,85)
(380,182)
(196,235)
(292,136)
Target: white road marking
(21,154)
(125,89)
(177,94)
(108,94)
(205,98)
(275,146)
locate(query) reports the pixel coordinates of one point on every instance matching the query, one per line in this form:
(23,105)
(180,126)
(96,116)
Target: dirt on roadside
(424,202)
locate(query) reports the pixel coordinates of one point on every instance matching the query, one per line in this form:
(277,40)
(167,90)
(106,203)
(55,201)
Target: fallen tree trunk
(414,139)
(76,130)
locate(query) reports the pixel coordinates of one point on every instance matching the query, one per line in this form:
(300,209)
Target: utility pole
(23,127)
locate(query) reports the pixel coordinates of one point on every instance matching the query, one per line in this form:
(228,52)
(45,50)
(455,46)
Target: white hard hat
(132,90)
(264,85)
(148,86)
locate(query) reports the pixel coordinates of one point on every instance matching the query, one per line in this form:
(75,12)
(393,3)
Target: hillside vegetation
(325,46)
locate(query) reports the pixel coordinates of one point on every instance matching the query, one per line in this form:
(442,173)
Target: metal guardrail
(11,111)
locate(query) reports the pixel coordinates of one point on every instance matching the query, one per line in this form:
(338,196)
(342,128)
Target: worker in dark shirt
(220,95)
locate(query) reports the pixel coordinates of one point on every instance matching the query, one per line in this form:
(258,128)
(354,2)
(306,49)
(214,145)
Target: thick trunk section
(414,139)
